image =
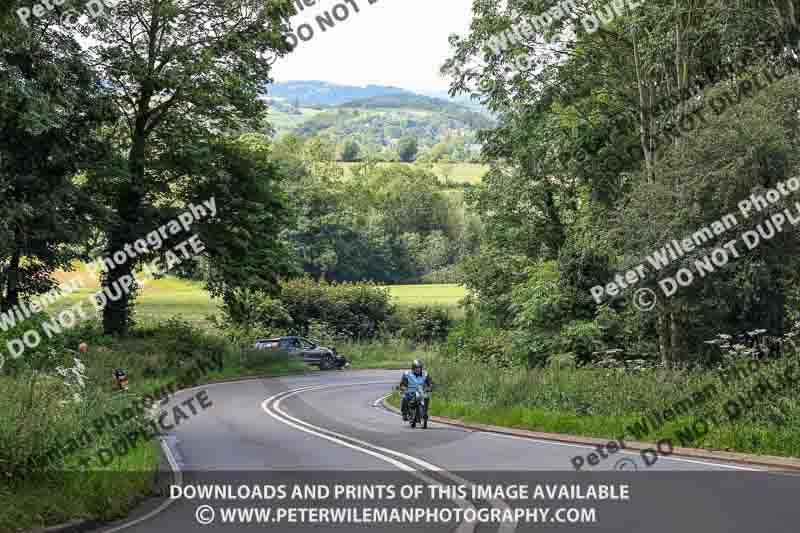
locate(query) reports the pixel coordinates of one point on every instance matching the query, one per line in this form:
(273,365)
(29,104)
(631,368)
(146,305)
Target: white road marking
(161,508)
(381,400)
(586,446)
(315,430)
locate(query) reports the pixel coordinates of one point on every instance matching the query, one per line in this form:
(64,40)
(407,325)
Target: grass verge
(608,404)
(37,412)
(396,354)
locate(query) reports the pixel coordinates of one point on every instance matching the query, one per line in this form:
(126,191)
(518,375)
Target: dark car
(309,352)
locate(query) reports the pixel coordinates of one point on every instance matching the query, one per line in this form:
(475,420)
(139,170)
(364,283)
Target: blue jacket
(411,381)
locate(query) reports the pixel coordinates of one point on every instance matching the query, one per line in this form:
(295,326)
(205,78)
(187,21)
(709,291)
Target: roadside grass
(396,354)
(154,356)
(34,418)
(542,420)
(105,495)
(605,404)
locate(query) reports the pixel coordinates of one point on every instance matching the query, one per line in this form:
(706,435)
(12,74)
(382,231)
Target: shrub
(581,337)
(352,310)
(484,345)
(427,324)
(40,357)
(446,274)
(253,309)
(562,361)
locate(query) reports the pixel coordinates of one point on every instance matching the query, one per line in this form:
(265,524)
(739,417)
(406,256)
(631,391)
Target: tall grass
(393,353)
(604,403)
(43,407)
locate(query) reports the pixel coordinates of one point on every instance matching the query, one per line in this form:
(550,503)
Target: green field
(285,121)
(438,295)
(471,173)
(169,297)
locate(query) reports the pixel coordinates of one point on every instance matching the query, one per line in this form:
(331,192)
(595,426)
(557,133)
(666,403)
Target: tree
(51,112)
(350,151)
(578,131)
(243,242)
(446,167)
(182,75)
(407,149)
(440,151)
(735,155)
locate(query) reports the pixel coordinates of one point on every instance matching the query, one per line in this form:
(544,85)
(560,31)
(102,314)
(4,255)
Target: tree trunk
(679,330)
(645,113)
(12,282)
(117,311)
(774,309)
(663,324)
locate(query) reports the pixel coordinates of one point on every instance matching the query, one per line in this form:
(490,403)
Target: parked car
(301,348)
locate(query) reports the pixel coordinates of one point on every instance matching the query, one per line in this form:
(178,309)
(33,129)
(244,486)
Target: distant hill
(461,99)
(322,93)
(376,117)
(423,103)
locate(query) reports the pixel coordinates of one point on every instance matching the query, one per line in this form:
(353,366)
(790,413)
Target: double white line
(272,406)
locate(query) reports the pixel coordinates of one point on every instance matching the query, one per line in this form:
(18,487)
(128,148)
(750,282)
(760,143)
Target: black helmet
(417,364)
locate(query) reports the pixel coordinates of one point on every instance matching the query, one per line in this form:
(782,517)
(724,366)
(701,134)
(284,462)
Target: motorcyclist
(410,381)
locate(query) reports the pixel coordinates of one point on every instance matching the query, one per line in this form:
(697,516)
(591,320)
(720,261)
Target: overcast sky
(391,42)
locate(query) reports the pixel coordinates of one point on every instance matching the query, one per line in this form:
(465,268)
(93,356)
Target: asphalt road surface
(327,431)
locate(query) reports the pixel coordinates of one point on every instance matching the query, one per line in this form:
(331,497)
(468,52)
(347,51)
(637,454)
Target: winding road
(330,428)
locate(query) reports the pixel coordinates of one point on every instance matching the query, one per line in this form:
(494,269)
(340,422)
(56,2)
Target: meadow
(170,298)
(451,173)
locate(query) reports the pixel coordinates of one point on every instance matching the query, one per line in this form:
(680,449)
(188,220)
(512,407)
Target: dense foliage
(612,143)
(387,223)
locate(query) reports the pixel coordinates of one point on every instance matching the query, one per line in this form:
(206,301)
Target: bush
(427,324)
(253,309)
(582,338)
(350,310)
(483,345)
(39,357)
(446,274)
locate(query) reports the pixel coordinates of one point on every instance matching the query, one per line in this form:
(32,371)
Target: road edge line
(80,526)
(770,461)
(355,444)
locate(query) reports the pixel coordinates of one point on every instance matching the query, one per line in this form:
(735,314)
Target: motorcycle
(418,407)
